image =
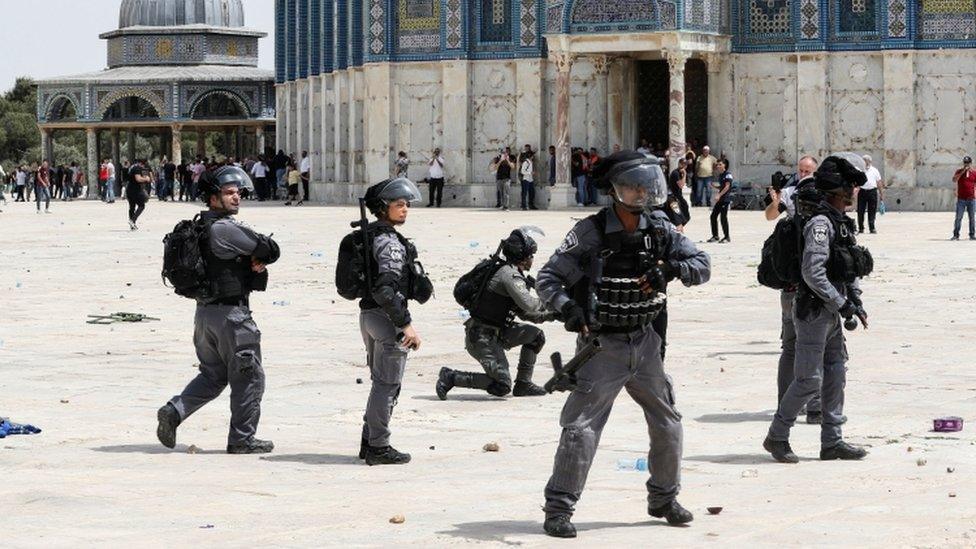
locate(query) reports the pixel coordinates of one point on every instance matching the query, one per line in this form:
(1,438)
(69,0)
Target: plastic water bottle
(463,314)
(318,254)
(19,284)
(630,464)
(281,303)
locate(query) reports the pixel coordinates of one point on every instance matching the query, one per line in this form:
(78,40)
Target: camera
(777,181)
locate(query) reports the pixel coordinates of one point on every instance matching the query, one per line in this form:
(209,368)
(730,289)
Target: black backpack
(183,264)
(779,267)
(351,269)
(472,284)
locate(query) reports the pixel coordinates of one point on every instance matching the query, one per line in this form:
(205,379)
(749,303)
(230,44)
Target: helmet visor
(856,160)
(640,186)
(400,188)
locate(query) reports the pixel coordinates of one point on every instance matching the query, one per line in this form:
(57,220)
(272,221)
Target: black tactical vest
(413,280)
(229,278)
(493,308)
(848,261)
(617,304)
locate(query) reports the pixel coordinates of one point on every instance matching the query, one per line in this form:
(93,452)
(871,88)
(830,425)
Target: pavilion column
(115,147)
(176,130)
(239,153)
(564,66)
(676,126)
(201,142)
(46,145)
(259,139)
(92,176)
(601,127)
(130,145)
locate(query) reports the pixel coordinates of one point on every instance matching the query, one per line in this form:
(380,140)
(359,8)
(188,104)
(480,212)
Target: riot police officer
(831,265)
(491,330)
(384,320)
(227,341)
(607,280)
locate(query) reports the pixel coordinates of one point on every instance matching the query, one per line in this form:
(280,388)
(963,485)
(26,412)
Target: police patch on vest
(570,242)
(820,234)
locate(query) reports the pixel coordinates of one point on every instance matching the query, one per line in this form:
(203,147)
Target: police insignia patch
(820,234)
(570,242)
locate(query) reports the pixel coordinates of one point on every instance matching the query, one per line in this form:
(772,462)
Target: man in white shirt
(304,168)
(435,176)
(260,172)
(869,195)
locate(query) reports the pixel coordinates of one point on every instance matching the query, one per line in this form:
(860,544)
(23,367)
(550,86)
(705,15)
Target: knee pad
(499,389)
(538,343)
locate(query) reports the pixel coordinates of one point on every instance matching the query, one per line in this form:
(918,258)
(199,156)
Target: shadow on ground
(151,449)
(740,459)
(499,530)
(315,459)
(737,417)
(462,397)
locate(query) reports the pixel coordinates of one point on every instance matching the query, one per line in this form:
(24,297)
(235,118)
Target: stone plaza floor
(97,475)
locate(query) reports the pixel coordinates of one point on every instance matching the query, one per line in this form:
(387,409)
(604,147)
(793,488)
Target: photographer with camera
(965,180)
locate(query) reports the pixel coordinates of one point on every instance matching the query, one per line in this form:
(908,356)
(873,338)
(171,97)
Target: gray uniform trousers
(387,363)
(631,361)
(821,357)
(228,345)
(488,344)
(786,359)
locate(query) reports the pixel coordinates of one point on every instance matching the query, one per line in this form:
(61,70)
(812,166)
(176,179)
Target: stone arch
(114,97)
(56,103)
(234,97)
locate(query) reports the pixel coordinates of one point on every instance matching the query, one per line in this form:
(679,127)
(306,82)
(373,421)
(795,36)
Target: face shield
(855,159)
(638,184)
(399,188)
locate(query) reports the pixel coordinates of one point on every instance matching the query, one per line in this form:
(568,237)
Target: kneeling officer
(227,341)
(491,330)
(608,279)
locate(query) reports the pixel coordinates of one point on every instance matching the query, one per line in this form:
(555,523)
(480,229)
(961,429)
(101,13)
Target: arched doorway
(653,91)
(62,110)
(219,105)
(131,108)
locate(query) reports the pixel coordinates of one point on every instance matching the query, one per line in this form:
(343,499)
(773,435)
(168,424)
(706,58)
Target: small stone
(64,401)
(950,469)
(431,447)
(921,461)
(712,534)
(397,519)
(491,447)
(128,284)
(910,448)
(359,381)
(714,510)
(750,473)
(192,449)
(721,370)
(952,494)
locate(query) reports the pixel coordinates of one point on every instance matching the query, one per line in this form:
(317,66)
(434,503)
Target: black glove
(573,317)
(659,275)
(530,282)
(854,295)
(852,308)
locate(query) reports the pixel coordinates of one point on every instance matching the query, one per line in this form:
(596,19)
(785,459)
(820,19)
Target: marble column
(601,128)
(91,177)
(676,124)
(201,142)
(564,65)
(115,148)
(46,146)
(617,105)
(378,125)
(719,133)
(130,145)
(260,145)
(177,143)
(239,151)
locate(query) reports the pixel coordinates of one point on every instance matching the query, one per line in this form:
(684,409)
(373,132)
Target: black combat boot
(251,446)
(363,445)
(673,512)
(385,455)
(814,418)
(842,450)
(169,420)
(527,389)
(780,450)
(559,526)
(445,382)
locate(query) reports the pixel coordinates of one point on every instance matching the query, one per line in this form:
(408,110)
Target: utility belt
(238,301)
(476,324)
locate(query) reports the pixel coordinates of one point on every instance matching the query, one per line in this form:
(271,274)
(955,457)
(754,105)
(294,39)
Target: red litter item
(949,424)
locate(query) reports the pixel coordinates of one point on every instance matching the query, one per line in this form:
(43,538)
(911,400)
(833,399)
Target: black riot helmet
(840,173)
(520,244)
(380,195)
(636,179)
(212,181)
